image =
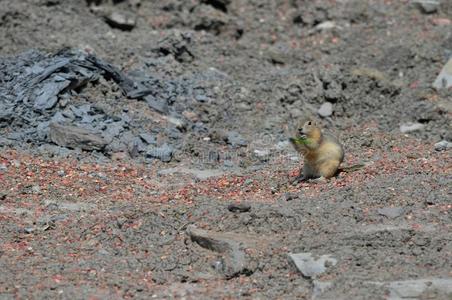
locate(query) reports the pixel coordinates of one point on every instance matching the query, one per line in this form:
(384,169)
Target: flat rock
(234,261)
(48,95)
(410,127)
(391,212)
(325,110)
(309,265)
(75,137)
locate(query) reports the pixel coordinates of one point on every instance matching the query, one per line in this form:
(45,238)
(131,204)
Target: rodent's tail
(352,168)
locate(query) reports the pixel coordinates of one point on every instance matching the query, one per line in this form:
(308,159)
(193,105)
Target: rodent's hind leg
(329,168)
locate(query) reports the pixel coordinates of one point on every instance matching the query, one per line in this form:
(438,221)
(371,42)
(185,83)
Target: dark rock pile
(42,102)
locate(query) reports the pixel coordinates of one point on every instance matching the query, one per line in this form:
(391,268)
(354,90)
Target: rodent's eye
(309,123)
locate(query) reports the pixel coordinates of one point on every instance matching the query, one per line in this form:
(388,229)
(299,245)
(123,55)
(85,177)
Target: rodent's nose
(300,131)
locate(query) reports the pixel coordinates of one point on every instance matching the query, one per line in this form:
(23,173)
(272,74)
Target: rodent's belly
(329,152)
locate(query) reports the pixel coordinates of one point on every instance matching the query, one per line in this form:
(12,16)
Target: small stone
(61,173)
(3,167)
(29,230)
(264,153)
(279,54)
(325,110)
(288,197)
(239,207)
(327,25)
(248,181)
(180,124)
(443,146)
(193,117)
(36,189)
(410,127)
(310,266)
(228,163)
(391,212)
(121,20)
(235,139)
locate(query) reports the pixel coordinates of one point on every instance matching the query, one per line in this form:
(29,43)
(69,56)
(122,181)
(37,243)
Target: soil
(219,220)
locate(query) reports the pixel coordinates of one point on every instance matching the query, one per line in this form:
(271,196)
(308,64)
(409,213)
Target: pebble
(36,189)
(325,110)
(262,153)
(288,197)
(121,21)
(410,127)
(228,163)
(29,230)
(239,207)
(391,212)
(235,139)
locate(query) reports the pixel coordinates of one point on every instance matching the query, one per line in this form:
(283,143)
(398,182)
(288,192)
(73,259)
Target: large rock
(75,137)
(234,261)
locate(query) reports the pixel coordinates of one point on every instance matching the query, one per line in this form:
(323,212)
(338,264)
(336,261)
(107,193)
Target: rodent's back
(330,148)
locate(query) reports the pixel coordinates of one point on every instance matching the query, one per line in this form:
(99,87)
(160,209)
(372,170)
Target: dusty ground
(98,225)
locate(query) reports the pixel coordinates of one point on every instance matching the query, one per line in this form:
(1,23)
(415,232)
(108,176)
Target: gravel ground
(188,194)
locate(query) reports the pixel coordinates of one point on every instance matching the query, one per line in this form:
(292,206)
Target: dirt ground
(221,218)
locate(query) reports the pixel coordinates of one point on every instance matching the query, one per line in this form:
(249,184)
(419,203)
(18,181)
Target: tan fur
(322,155)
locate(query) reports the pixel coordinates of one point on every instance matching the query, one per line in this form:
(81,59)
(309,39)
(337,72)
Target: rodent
(322,152)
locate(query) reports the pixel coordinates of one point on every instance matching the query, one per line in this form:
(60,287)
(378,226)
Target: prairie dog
(322,152)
